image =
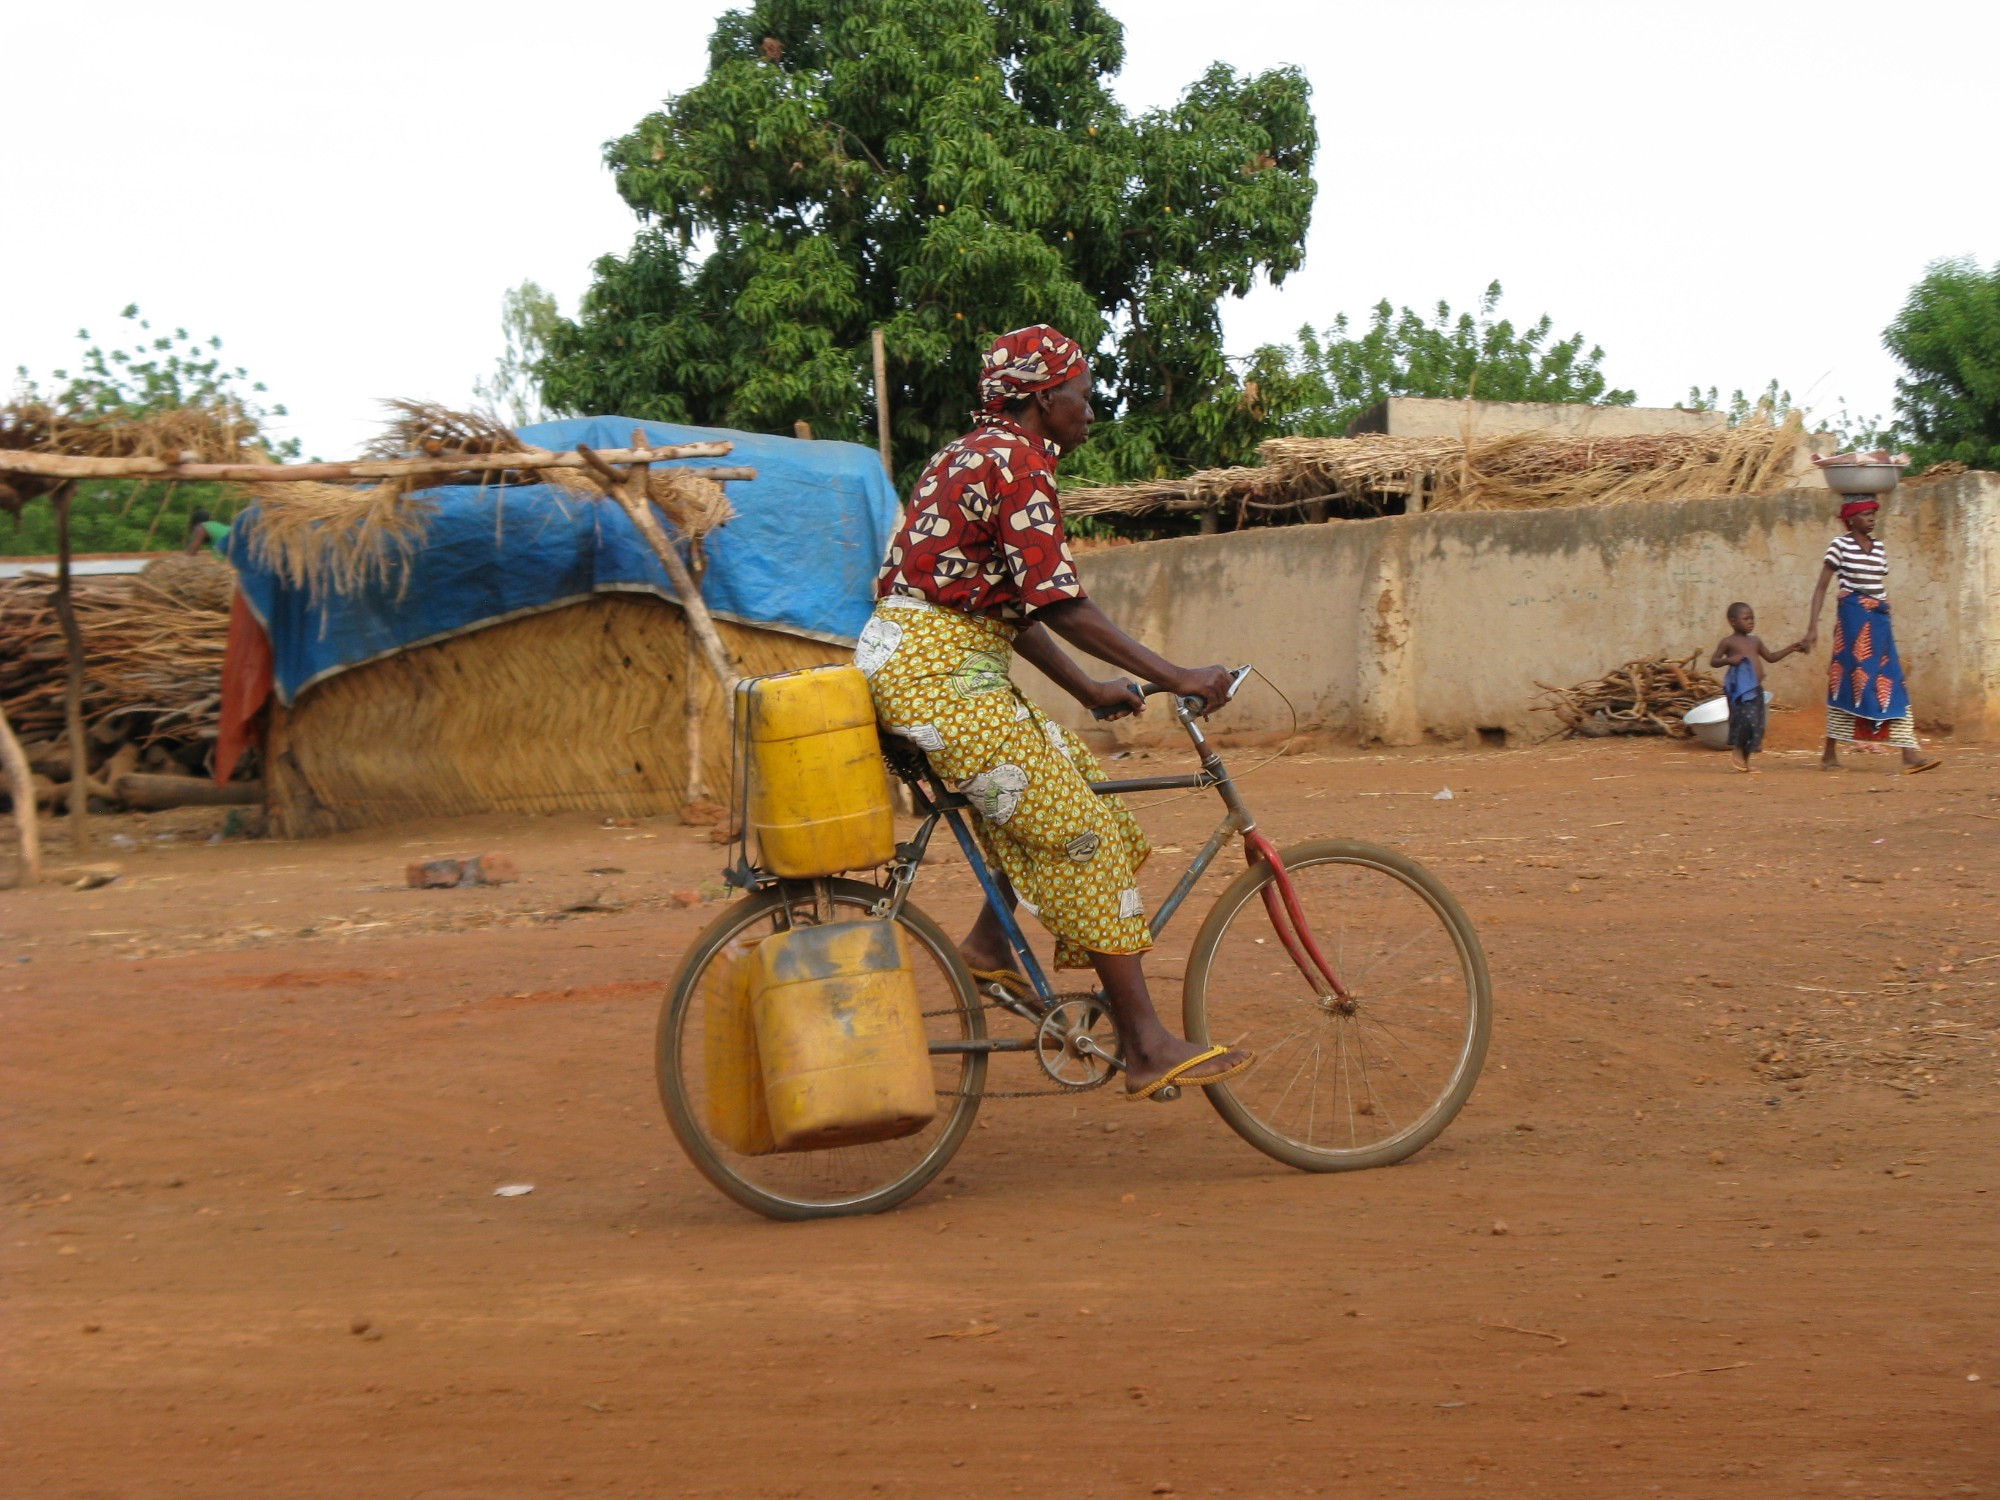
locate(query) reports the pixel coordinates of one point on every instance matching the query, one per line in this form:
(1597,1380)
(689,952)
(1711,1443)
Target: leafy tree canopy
(1316,388)
(157,372)
(1773,403)
(1948,338)
(946,170)
(528,316)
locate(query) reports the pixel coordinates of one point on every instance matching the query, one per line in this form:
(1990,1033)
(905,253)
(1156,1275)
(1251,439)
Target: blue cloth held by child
(1741,680)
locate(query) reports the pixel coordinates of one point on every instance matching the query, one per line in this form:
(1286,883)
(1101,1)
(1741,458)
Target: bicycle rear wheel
(845,1179)
(1343,1083)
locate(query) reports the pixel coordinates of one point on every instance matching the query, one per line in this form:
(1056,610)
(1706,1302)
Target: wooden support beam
(882,401)
(629,490)
(155,793)
(66,466)
(79,748)
(27,818)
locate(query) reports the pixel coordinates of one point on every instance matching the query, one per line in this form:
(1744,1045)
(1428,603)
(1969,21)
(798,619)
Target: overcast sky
(1716,193)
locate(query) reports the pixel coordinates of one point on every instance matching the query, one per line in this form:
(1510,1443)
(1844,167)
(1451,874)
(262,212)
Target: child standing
(1744,653)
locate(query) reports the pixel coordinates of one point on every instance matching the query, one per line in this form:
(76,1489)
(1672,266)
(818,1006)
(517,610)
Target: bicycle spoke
(1391,1071)
(1361,1057)
(1279,1107)
(1347,1090)
(813,1182)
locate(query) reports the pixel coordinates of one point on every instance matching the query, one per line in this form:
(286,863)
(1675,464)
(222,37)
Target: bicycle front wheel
(844,1179)
(1343,1082)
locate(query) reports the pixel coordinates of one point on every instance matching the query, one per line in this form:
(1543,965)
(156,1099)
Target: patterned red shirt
(984,535)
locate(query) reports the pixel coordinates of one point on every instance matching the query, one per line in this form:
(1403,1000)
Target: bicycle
(1364,991)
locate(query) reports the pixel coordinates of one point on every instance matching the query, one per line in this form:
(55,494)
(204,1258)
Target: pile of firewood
(1647,696)
(152,690)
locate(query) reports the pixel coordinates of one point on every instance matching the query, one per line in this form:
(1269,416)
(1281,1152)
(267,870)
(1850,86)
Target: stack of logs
(1647,696)
(152,692)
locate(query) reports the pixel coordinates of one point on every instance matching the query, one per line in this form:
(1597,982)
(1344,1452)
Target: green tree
(157,372)
(528,316)
(945,170)
(1948,338)
(1318,387)
(1773,403)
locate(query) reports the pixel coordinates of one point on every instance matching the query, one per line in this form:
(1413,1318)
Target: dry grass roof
(332,537)
(1370,474)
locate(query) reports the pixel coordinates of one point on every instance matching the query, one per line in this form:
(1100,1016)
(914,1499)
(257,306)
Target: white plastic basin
(1710,721)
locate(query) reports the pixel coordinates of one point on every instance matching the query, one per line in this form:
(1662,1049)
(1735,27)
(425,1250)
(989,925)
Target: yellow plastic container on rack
(819,793)
(840,1036)
(733,1071)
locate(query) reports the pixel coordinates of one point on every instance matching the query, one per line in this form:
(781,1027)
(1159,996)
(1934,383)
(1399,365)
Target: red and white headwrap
(1855,508)
(1035,358)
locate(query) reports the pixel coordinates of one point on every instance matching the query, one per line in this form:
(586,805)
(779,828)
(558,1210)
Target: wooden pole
(66,466)
(803,431)
(79,748)
(27,818)
(629,490)
(882,401)
(696,788)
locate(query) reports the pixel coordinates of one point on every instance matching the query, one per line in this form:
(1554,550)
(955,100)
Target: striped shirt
(1861,571)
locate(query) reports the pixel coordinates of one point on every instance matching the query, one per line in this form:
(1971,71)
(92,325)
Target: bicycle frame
(1281,903)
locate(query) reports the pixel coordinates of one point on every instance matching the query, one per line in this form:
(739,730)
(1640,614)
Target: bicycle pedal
(1168,1094)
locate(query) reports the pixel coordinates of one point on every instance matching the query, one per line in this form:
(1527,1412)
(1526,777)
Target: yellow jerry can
(841,1036)
(819,793)
(735,1076)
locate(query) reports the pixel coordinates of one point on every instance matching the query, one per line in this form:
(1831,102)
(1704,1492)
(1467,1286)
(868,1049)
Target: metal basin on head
(1861,479)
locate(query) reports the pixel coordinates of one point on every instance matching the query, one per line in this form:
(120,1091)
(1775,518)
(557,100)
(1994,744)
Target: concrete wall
(1408,628)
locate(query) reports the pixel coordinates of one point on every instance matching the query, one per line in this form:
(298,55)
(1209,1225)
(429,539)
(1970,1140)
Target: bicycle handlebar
(1153,689)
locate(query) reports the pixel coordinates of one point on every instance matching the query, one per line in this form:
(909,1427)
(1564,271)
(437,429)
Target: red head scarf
(1035,358)
(1855,508)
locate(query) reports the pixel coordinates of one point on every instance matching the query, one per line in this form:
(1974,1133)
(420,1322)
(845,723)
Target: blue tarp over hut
(801,555)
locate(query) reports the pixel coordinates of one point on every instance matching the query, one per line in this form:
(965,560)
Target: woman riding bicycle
(980,570)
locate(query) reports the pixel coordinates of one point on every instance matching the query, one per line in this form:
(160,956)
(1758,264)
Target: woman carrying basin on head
(981,569)
(1866,700)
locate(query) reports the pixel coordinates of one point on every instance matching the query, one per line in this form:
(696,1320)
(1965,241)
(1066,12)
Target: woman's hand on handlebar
(1116,699)
(1210,684)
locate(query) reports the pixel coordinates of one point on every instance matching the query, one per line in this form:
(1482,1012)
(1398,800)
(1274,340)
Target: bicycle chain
(1060,1088)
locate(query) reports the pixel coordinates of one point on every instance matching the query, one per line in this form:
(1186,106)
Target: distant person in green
(205,533)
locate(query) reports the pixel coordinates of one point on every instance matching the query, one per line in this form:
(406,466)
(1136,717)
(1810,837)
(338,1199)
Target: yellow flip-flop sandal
(1177,1074)
(1013,981)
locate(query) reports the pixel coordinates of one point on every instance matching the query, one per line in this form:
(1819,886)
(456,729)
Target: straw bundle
(437,431)
(429,429)
(1514,471)
(340,538)
(695,505)
(334,538)
(216,433)
(201,580)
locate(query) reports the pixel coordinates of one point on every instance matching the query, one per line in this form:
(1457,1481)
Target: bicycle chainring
(1072,1022)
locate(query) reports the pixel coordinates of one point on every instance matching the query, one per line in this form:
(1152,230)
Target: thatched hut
(521,648)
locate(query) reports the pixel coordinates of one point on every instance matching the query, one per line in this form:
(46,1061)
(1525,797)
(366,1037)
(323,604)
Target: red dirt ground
(1718,1221)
